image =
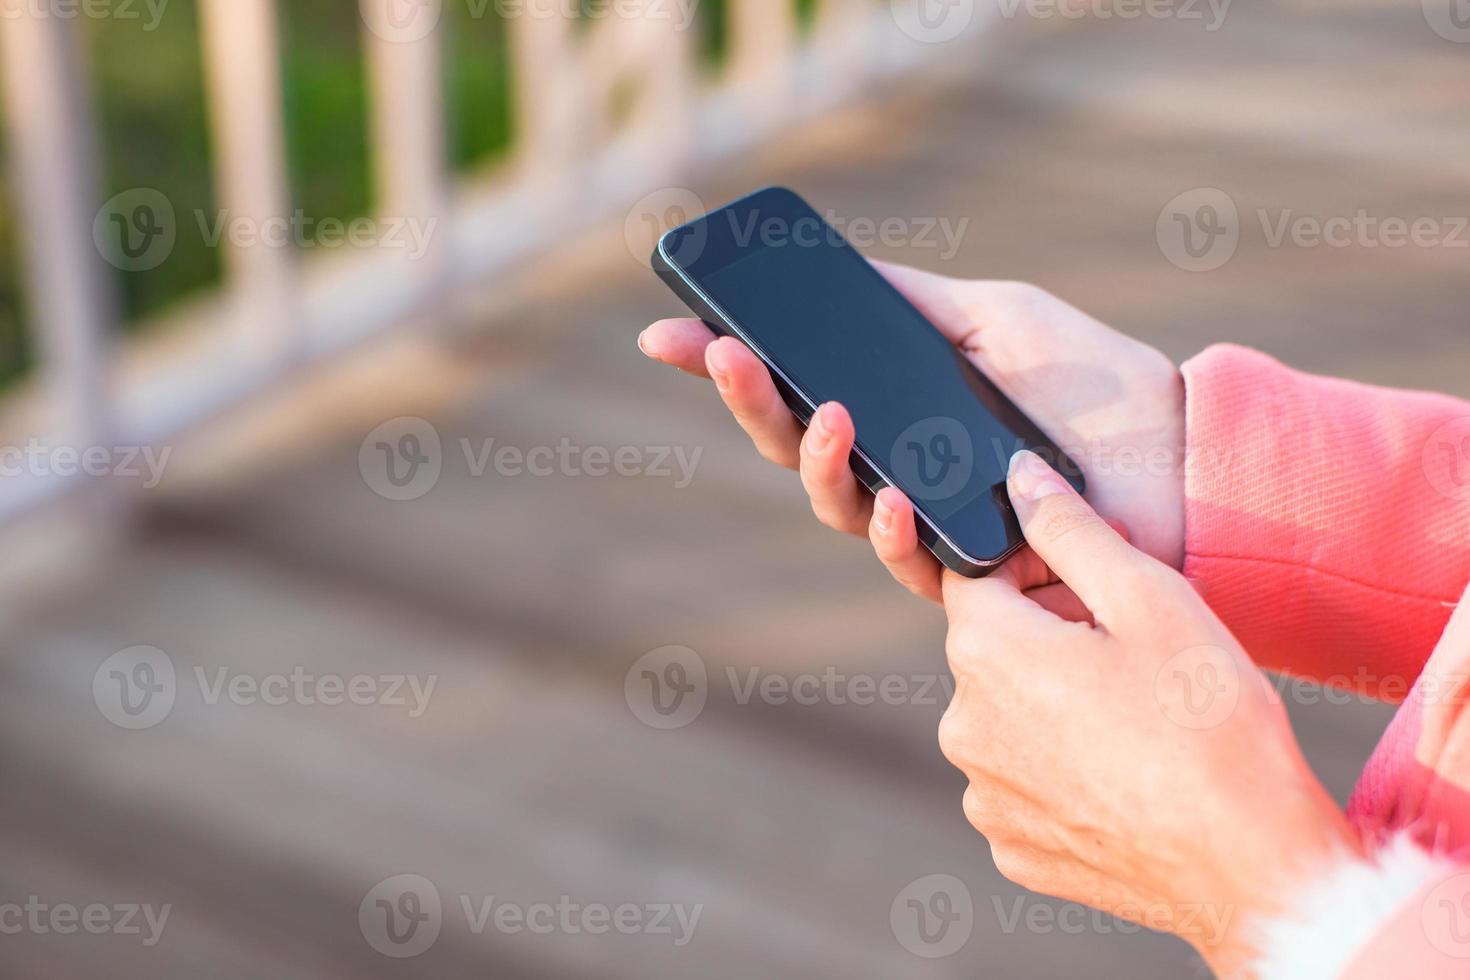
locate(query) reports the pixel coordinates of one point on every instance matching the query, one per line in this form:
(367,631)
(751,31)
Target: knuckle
(1016,864)
(954,737)
(1060,520)
(979,808)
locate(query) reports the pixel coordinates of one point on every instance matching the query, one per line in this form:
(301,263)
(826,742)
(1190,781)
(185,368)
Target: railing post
(243,75)
(549,98)
(410,155)
(645,49)
(567,82)
(842,37)
(664,120)
(762,43)
(53,150)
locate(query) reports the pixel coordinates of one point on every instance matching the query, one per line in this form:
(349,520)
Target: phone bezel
(684,278)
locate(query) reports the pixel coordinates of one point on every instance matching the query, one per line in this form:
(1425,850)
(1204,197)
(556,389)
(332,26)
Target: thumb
(1078,546)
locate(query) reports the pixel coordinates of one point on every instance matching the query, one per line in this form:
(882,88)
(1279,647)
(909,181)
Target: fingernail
(717,371)
(1032,479)
(643,345)
(882,516)
(821,435)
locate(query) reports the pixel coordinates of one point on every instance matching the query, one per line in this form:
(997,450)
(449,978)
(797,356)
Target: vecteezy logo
(1450,19)
(933,21)
(1446,459)
(940,452)
(933,916)
(401,916)
(401,21)
(402,458)
(135,688)
(1445,916)
(661,211)
(1199,230)
(136,230)
(933,459)
(1198,688)
(667,688)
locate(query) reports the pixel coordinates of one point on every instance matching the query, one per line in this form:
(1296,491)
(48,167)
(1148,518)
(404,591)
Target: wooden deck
(526,599)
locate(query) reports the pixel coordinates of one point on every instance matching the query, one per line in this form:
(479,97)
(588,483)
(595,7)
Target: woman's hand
(1138,763)
(1115,405)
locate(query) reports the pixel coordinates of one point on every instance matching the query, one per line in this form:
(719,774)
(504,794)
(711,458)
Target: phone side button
(866,474)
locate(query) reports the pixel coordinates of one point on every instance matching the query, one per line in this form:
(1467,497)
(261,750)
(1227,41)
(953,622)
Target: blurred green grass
(148,89)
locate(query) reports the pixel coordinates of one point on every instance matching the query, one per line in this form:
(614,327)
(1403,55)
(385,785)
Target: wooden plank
(267,825)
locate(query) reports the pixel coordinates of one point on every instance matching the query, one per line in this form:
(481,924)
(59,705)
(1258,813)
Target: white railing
(574,165)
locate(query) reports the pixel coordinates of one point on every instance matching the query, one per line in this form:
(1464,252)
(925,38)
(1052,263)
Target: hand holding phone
(1083,383)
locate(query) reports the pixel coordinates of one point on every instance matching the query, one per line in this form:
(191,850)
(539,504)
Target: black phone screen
(815,309)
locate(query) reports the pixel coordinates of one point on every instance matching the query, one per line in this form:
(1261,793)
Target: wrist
(1291,847)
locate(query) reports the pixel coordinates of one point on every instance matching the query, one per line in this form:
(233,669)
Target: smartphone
(771,272)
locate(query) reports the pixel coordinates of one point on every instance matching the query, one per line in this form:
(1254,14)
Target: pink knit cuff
(1400,913)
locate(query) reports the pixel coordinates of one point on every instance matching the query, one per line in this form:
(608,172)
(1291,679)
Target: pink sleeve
(1327,522)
